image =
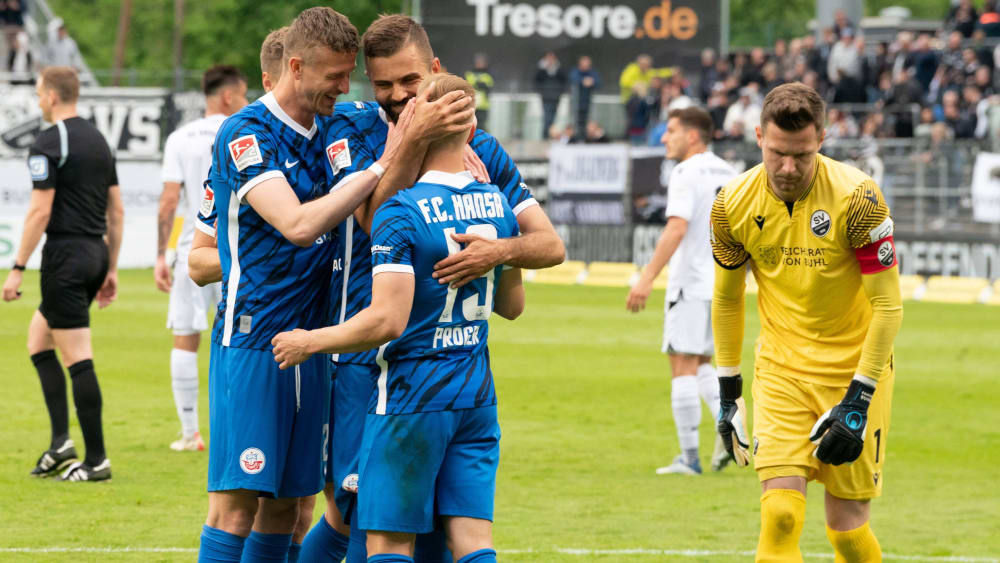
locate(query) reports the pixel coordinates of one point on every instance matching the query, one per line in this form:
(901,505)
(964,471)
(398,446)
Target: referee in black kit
(75,201)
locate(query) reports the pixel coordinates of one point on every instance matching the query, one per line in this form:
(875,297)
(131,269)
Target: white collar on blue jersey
(383,116)
(272,105)
(459,181)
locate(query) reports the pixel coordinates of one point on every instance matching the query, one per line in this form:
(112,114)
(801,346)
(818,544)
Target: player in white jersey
(687,327)
(187,156)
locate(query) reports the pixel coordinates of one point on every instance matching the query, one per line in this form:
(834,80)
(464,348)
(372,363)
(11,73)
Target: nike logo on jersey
(290,164)
(760,222)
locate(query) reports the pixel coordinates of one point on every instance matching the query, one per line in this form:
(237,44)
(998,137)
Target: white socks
(184,376)
(708,387)
(687,410)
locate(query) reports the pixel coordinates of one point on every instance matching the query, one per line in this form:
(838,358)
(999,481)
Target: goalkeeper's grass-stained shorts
(784,412)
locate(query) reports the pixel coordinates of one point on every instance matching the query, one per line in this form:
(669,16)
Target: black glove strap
(731,387)
(859,394)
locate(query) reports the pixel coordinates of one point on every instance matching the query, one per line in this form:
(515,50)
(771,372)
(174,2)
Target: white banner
(588,169)
(986,188)
(140,186)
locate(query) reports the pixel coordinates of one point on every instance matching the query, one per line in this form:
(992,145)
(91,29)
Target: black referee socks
(87,398)
(50,373)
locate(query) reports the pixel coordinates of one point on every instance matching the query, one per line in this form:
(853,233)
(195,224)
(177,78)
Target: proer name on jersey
(476,205)
(452,336)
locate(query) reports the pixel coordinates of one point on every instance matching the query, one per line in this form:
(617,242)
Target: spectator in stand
(62,48)
(951,54)
(925,61)
(961,121)
(595,133)
(963,18)
(840,125)
(970,63)
(640,71)
(638,110)
(482,81)
(849,90)
(723,71)
(752,72)
(584,81)
(813,55)
(841,23)
(780,57)
(770,76)
(743,117)
(13,13)
(923,129)
(21,61)
(563,135)
(975,110)
(844,59)
(989,20)
(550,82)
(811,79)
(984,81)
(901,52)
(718,104)
(709,73)
(905,92)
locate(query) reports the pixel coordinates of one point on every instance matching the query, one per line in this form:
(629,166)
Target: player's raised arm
(727,330)
(418,125)
(840,432)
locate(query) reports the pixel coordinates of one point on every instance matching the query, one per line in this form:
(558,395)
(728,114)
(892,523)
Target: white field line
(559,550)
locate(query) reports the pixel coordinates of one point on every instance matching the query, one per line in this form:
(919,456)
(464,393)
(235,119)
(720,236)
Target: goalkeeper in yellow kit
(818,238)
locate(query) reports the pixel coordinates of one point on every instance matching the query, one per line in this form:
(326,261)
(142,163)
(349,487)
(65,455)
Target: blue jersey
(269,285)
(353,244)
(441,361)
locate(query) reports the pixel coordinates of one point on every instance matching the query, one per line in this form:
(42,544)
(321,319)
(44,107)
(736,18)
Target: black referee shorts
(73,270)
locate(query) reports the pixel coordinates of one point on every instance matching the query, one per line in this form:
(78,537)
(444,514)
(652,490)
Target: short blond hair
(271,53)
(437,85)
(63,81)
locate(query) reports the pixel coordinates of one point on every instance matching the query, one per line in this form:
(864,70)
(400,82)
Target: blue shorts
(269,427)
(413,466)
(353,389)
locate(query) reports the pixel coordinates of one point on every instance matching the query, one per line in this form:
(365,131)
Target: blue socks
(357,549)
(293,552)
(390,558)
(264,548)
(219,546)
(323,543)
(481,556)
(432,547)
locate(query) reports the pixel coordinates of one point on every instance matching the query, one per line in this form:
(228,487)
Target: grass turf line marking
(560,550)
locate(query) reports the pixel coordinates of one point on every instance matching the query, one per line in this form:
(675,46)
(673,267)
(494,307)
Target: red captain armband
(877,256)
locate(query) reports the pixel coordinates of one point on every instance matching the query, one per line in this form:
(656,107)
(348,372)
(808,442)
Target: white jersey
(187,156)
(690,193)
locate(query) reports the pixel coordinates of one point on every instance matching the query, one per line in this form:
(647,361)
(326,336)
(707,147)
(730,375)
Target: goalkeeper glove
(732,425)
(840,433)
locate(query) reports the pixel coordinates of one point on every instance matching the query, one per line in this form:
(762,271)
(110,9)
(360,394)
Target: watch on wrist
(17,266)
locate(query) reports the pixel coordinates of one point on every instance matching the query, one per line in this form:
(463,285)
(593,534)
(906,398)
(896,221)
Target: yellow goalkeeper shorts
(784,412)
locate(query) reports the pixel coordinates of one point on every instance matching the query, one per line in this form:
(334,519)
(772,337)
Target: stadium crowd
(899,89)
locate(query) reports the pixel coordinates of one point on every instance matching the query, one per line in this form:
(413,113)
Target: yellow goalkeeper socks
(855,546)
(782,513)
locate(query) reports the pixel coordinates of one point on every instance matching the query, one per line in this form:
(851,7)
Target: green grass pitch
(585,411)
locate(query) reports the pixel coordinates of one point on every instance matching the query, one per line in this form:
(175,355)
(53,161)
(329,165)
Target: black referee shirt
(74,159)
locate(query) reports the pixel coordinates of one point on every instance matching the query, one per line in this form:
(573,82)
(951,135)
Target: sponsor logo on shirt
(245,152)
(379,249)
(252,461)
(339,154)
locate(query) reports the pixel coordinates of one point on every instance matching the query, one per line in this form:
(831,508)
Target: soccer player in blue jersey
(399,59)
(434,377)
(275,220)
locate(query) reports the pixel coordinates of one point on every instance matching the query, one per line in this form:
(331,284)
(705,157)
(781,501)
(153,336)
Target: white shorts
(190,304)
(687,328)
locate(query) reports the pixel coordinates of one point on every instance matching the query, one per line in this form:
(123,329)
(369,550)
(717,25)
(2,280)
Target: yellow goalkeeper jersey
(807,258)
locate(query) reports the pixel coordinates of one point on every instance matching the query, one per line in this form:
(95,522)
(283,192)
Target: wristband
(377,170)
(17,266)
